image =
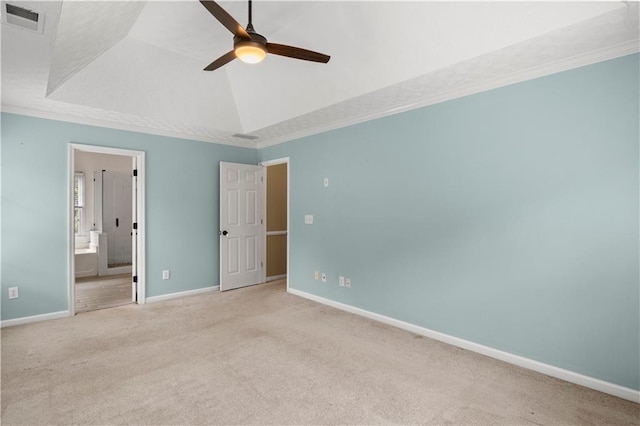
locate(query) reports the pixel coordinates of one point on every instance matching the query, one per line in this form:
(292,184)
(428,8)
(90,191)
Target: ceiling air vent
(24,18)
(242,136)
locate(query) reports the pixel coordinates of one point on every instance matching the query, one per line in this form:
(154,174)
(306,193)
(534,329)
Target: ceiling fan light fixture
(250,52)
(251,47)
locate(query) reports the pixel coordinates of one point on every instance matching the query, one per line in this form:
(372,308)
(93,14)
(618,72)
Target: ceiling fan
(251,47)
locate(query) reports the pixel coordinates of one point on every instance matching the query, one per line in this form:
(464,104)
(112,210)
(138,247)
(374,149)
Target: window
(78,202)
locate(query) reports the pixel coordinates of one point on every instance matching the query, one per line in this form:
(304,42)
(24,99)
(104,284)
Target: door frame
(139,219)
(265,164)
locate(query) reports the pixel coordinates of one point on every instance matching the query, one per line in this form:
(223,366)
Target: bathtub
(86,262)
(90,263)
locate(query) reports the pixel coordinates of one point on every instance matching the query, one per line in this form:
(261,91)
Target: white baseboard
(34,318)
(180,294)
(549,370)
(276,277)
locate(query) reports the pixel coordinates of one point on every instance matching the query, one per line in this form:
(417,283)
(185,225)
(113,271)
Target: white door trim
(140,219)
(265,164)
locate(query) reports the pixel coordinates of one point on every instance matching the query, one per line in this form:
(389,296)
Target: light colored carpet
(261,356)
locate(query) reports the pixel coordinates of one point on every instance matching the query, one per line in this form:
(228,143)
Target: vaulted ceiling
(139,65)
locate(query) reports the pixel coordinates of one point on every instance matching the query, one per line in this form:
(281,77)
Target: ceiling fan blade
(222,60)
(225,19)
(297,53)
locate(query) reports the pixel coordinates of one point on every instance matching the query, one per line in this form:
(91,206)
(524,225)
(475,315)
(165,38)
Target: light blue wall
(508,218)
(181,209)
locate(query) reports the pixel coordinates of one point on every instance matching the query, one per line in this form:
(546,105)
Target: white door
(116,216)
(241,225)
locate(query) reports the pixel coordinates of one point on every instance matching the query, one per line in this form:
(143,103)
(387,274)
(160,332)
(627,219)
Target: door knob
(224,233)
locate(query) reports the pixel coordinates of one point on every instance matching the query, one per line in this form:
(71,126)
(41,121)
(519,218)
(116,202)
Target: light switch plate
(308,219)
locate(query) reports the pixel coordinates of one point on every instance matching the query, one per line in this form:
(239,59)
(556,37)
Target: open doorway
(277,220)
(106,232)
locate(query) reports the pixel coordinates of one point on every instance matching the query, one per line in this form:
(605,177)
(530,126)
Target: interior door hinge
(135,278)
(135,225)
(135,172)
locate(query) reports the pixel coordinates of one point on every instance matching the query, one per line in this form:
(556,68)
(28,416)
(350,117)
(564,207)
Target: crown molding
(49,115)
(553,67)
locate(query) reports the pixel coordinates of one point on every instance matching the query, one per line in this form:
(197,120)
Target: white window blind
(78,202)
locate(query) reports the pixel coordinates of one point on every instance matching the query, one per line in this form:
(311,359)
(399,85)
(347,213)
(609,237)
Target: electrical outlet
(316,275)
(326,182)
(347,283)
(324,277)
(166,274)
(341,281)
(13,292)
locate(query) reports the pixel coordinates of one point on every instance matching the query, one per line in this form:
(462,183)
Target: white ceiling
(138,65)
